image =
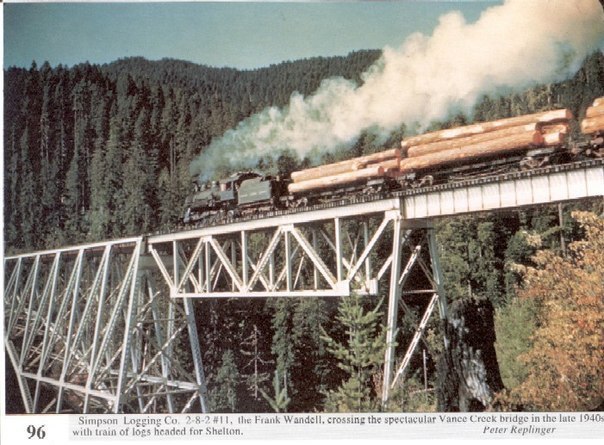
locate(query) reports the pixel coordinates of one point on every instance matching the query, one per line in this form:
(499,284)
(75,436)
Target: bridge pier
(399,288)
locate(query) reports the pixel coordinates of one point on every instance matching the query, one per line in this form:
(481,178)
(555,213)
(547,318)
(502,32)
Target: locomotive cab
(229,187)
(258,190)
(215,198)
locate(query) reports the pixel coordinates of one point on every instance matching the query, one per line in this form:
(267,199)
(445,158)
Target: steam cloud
(513,46)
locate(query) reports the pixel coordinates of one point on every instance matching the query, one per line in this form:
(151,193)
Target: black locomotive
(240,193)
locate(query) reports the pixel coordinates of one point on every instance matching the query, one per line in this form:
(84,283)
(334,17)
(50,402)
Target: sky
(244,35)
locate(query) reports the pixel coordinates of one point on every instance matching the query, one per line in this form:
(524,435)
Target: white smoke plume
(512,46)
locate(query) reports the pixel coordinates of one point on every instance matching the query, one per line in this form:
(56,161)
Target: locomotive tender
(522,142)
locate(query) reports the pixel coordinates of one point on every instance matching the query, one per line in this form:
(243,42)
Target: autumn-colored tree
(565,360)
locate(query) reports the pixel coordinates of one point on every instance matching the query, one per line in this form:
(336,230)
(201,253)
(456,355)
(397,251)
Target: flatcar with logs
(481,149)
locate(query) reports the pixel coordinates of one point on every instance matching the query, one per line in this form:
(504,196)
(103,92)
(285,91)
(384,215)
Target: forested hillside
(93,152)
(96,152)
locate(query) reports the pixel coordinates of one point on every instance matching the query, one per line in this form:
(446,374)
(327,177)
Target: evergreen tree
(27,213)
(99,213)
(283,344)
(359,354)
(515,325)
(280,401)
(223,396)
(11,181)
(310,369)
(473,256)
(454,236)
(74,207)
(521,246)
(139,187)
(252,350)
(113,179)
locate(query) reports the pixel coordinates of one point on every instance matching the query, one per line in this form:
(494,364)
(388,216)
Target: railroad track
(360,199)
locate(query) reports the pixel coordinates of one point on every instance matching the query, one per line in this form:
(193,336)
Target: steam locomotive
(522,142)
(240,193)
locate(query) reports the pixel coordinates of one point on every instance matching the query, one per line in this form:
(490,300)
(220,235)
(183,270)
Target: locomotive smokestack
(509,48)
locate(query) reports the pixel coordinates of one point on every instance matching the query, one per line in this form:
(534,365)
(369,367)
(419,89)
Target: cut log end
(592,125)
(595,111)
(598,102)
(553,139)
(546,117)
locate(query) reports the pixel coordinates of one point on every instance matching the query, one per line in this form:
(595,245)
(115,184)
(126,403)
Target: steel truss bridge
(110,326)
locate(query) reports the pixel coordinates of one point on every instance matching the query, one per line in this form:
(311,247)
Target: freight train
(522,142)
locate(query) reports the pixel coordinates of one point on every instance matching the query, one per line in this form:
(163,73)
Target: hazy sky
(234,34)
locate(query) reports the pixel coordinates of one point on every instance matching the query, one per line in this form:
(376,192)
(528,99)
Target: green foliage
(359,354)
(521,246)
(103,151)
(311,367)
(223,397)
(280,401)
(515,325)
(298,350)
(472,257)
(352,396)
(413,397)
(251,348)
(283,343)
(94,152)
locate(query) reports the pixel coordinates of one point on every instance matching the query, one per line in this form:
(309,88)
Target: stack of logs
(487,139)
(345,172)
(455,145)
(594,118)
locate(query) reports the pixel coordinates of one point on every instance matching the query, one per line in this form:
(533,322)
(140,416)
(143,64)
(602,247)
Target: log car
(369,173)
(593,127)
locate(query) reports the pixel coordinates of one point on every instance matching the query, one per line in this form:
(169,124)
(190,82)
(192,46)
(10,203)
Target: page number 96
(36,432)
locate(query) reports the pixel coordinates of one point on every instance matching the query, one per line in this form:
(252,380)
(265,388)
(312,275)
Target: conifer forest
(96,152)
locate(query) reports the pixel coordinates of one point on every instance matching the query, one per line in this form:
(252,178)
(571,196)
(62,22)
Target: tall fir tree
(359,354)
(223,396)
(139,187)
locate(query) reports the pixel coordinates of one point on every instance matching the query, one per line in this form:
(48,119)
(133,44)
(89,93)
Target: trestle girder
(370,251)
(104,327)
(87,330)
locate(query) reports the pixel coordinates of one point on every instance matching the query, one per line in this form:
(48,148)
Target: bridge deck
(547,185)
